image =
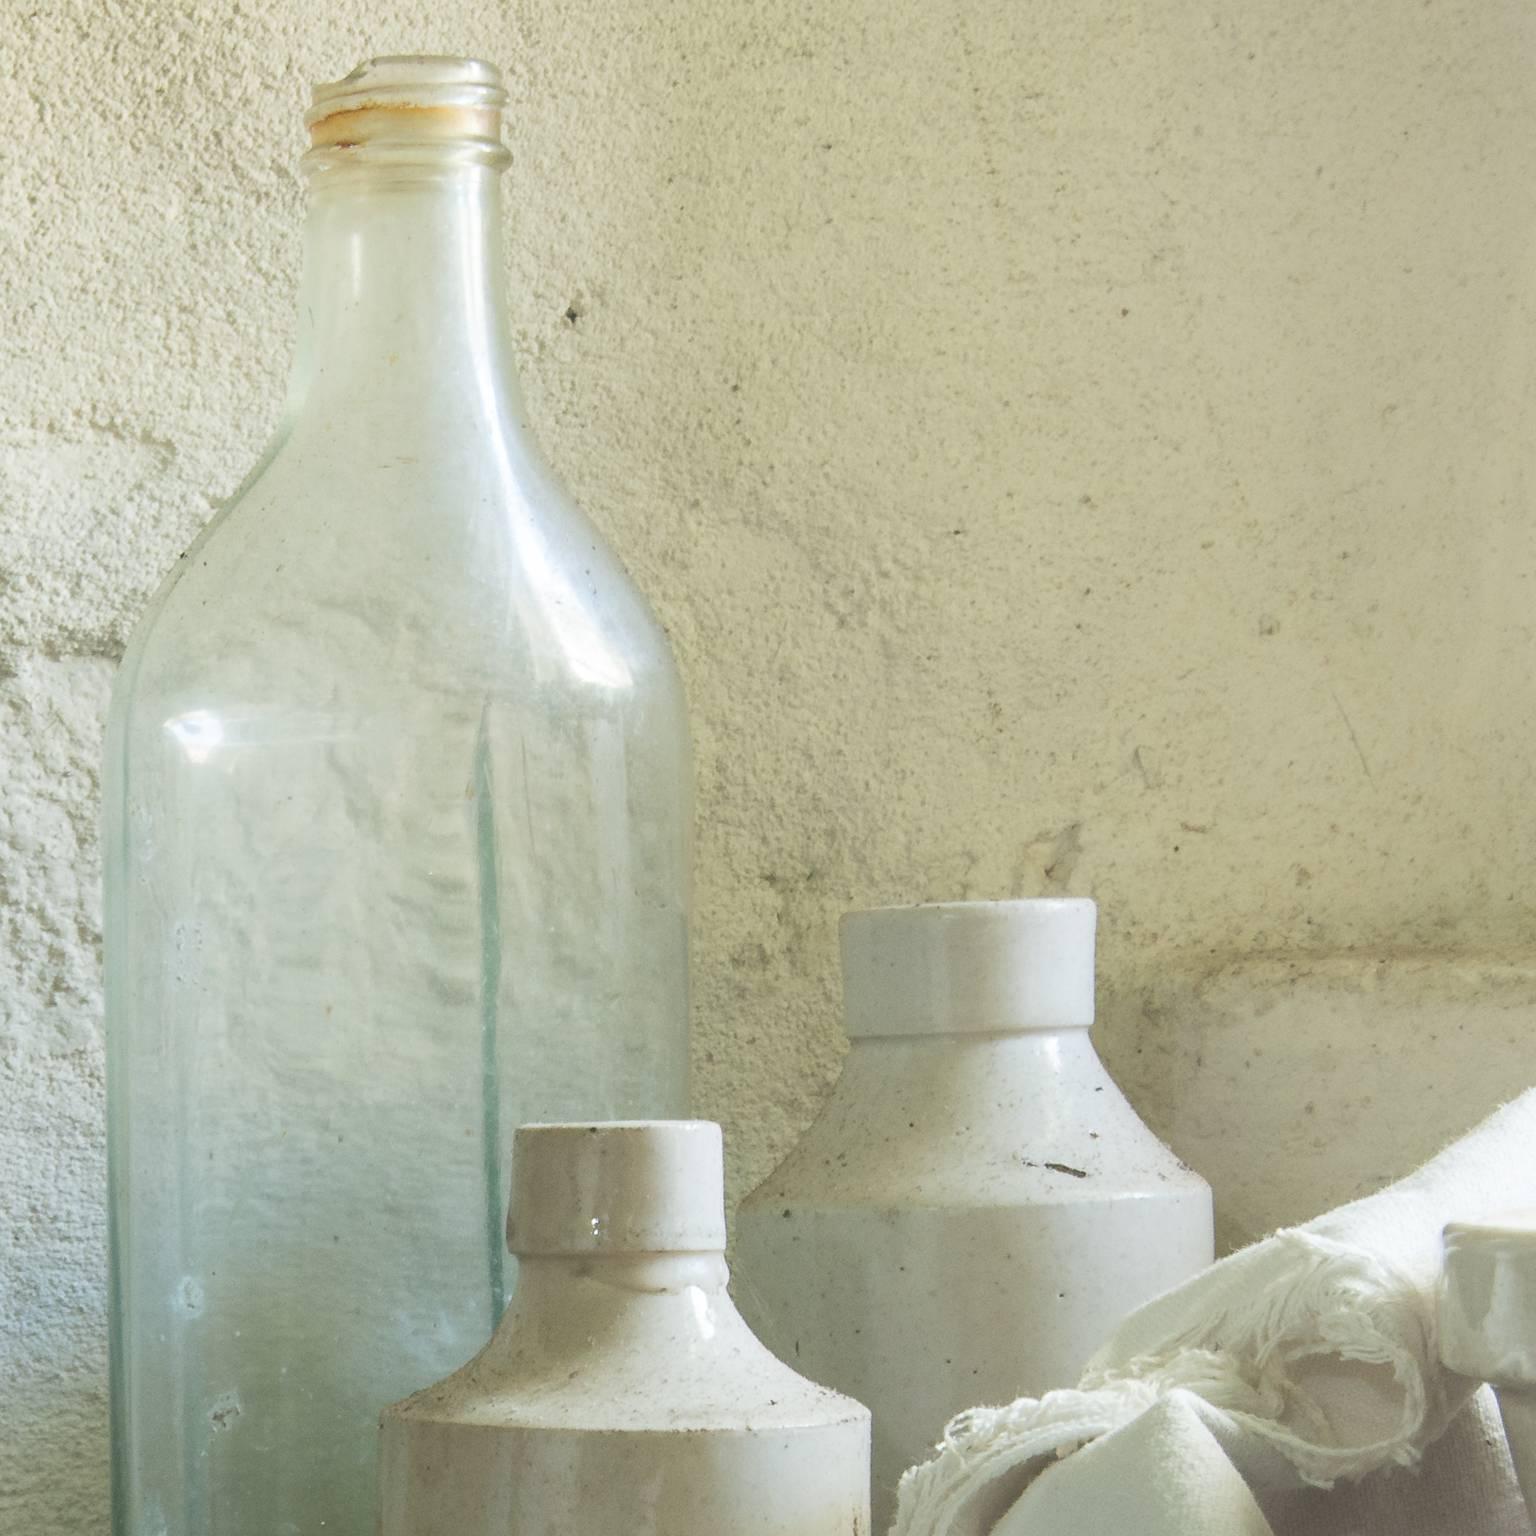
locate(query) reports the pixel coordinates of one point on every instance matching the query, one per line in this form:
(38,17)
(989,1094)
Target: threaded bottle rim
(401,105)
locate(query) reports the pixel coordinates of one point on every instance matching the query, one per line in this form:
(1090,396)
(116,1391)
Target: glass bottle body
(396,836)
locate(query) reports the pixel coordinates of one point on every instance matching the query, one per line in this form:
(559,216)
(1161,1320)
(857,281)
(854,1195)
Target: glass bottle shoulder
(459,568)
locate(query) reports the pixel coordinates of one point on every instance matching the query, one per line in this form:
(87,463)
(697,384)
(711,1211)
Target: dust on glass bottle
(396,835)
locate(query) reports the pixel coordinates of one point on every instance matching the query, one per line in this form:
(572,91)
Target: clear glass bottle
(396,836)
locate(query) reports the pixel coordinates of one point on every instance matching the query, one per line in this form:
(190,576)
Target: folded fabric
(1463,1486)
(1306,1358)
(1163,1474)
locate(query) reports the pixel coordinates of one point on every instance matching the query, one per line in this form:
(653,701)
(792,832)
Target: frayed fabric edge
(1323,1299)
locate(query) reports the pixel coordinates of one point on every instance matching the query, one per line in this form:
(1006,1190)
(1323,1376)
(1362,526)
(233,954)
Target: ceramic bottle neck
(988,1050)
(974,1083)
(544,1279)
(612,1311)
(619,1233)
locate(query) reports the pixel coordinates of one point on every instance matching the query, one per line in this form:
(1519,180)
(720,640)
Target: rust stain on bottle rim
(409,98)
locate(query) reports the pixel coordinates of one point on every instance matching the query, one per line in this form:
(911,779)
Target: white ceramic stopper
(1488,1300)
(627,1186)
(1488,1323)
(988,967)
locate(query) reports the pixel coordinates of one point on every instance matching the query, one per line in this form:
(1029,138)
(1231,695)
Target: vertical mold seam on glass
(487,869)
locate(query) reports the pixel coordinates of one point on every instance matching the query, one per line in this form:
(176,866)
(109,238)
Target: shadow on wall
(1298,1082)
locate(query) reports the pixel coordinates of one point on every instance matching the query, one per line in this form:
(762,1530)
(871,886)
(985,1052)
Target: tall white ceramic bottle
(622,1392)
(977,1204)
(396,845)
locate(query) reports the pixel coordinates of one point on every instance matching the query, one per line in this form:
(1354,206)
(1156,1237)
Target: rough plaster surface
(1075,447)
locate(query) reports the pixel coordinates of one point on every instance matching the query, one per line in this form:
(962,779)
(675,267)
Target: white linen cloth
(1223,1407)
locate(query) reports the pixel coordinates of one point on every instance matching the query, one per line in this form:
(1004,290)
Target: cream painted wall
(1075,446)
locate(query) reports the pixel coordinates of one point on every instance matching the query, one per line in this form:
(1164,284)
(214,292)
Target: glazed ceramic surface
(622,1392)
(978,1204)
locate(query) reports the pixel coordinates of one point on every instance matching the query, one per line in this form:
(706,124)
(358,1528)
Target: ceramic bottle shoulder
(680,1362)
(978,1133)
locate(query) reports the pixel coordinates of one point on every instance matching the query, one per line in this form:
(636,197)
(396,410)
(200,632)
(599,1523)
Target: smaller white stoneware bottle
(1488,1324)
(978,1204)
(622,1392)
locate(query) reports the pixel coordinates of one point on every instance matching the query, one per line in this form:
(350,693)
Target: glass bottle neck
(401,309)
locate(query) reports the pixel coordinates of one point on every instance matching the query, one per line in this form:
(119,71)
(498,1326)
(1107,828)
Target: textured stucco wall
(1074,446)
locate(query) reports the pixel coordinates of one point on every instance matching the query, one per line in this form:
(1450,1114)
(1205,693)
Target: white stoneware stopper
(1488,1323)
(618,1187)
(968,966)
